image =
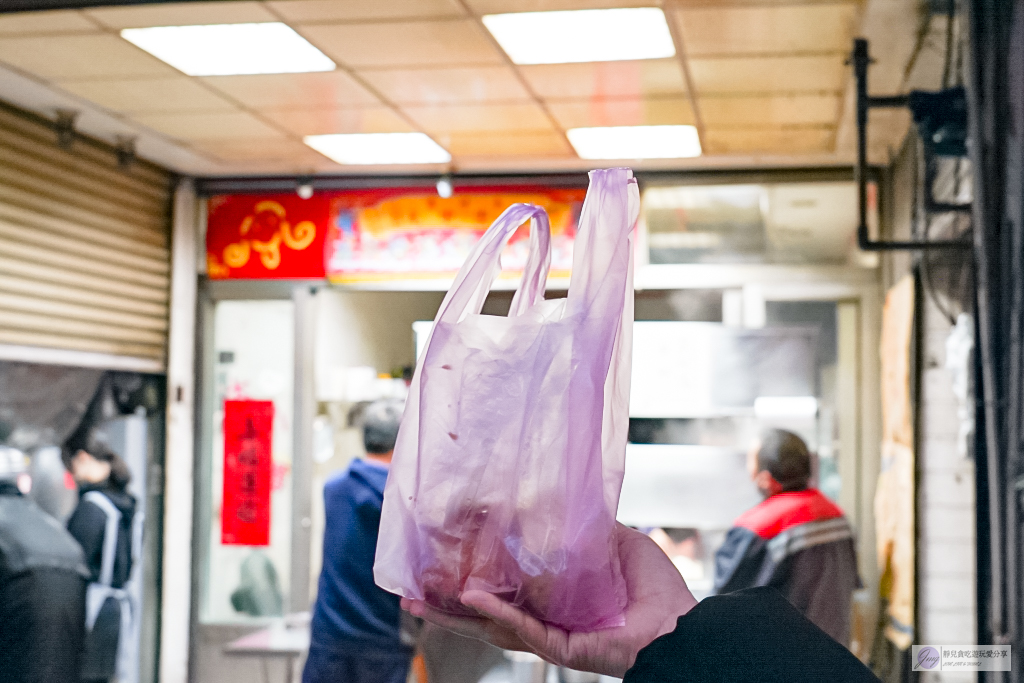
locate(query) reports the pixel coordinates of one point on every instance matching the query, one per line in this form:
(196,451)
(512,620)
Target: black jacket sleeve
(87,524)
(752,635)
(42,626)
(738,562)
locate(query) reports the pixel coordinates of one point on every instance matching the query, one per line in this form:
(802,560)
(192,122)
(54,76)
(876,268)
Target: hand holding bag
(509,461)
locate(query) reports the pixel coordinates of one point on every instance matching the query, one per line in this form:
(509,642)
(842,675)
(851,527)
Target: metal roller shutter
(84,245)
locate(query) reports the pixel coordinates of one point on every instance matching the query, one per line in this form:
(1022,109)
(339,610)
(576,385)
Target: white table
(276,642)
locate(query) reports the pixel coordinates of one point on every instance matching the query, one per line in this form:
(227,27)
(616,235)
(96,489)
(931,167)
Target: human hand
(656,596)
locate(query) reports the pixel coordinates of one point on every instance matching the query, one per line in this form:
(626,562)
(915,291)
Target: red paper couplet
(247,472)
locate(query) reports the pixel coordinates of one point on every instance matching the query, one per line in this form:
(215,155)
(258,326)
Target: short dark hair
(785,456)
(95,443)
(380,425)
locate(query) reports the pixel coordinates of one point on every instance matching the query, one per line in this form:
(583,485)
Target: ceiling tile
(327,121)
(181,14)
(322,90)
(303,11)
(257,149)
(474,118)
(139,95)
(498,6)
(606,79)
(61,21)
(781,110)
(516,144)
(623,112)
(404,43)
(780,29)
(448,86)
(822,74)
(210,126)
(768,140)
(73,57)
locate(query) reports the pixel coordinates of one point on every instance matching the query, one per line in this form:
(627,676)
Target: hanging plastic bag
(509,461)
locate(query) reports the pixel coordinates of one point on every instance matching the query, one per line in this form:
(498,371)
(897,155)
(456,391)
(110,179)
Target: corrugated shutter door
(84,253)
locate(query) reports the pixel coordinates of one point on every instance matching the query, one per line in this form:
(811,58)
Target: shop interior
(767,344)
(40,405)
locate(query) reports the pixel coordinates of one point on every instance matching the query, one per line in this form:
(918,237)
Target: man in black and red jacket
(796,540)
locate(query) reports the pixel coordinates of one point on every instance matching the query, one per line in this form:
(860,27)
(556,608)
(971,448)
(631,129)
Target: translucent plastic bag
(509,461)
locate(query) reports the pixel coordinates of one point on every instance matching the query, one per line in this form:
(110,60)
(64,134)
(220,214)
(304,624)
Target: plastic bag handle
(477,275)
(602,248)
(535,275)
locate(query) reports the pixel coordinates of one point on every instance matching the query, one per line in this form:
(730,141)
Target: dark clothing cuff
(752,635)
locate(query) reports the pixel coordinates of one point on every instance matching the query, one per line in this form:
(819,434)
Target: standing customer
(797,540)
(42,588)
(103,525)
(356,627)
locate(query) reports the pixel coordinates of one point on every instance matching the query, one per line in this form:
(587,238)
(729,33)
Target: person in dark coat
(103,524)
(42,588)
(356,629)
(750,636)
(796,540)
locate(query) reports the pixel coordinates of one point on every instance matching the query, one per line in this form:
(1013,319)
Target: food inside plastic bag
(509,461)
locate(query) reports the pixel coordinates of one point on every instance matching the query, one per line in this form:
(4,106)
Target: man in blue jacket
(356,627)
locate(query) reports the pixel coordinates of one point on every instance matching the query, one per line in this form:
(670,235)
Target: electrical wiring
(958,271)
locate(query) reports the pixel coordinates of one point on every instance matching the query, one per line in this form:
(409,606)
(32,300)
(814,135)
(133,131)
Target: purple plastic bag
(509,461)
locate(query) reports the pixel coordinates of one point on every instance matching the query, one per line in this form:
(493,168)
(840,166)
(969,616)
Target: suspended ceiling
(764,83)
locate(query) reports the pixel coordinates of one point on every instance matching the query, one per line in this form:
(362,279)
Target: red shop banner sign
(387,234)
(245,517)
(266,236)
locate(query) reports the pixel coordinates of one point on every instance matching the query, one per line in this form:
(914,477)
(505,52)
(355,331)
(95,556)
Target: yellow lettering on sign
(237,255)
(301,237)
(270,252)
(298,238)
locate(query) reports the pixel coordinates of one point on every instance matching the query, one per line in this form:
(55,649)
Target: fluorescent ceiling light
(379,148)
(230,49)
(635,142)
(591,35)
(785,406)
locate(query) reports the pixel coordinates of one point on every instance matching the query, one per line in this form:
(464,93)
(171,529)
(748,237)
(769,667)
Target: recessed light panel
(230,49)
(592,35)
(635,142)
(379,148)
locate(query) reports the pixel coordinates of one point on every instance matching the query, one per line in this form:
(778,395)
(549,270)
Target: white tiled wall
(946,524)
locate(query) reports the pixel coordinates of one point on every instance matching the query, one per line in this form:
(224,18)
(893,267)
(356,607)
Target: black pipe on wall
(996,118)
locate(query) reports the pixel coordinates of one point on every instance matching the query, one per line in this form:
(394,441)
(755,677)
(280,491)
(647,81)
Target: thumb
(535,634)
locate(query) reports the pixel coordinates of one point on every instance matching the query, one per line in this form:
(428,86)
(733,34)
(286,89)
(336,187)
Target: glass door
(248,423)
